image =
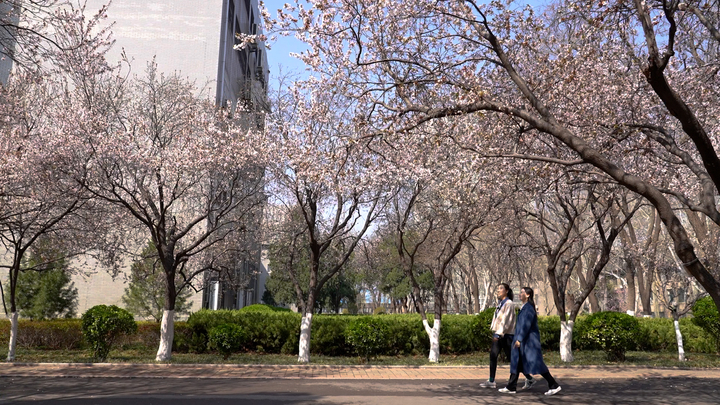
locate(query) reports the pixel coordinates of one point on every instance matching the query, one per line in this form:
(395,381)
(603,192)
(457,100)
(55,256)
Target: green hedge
(59,334)
(271,331)
(268,332)
(368,336)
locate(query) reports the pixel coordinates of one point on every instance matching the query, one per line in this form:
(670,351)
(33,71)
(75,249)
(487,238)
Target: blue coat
(528,333)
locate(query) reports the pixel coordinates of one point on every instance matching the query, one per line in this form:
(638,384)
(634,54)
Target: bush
(481,329)
(612,332)
(379,311)
(227,338)
(279,331)
(705,315)
(58,334)
(263,308)
(102,325)
(270,331)
(368,336)
(407,335)
(658,334)
(458,334)
(328,335)
(550,332)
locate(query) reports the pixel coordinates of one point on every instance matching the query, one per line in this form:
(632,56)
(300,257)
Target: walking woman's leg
(494,351)
(552,384)
(512,383)
(506,342)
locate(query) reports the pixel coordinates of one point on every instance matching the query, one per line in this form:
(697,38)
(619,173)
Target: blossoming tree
(578,89)
(171,167)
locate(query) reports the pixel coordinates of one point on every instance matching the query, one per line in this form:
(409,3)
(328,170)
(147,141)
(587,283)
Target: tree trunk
(434,335)
(645,278)
(456,299)
(631,291)
(646,303)
(13,336)
(167,333)
(678,336)
(592,298)
(474,285)
(305,329)
(469,299)
(594,303)
(566,333)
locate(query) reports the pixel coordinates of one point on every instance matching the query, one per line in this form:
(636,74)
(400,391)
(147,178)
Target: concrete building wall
(183,35)
(194,38)
(7,42)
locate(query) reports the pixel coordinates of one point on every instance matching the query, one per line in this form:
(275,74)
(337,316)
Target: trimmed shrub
(579,341)
(328,335)
(550,332)
(227,339)
(368,336)
(263,308)
(379,311)
(270,331)
(267,331)
(481,329)
(147,335)
(201,322)
(658,334)
(612,332)
(102,325)
(407,335)
(56,334)
(458,334)
(182,338)
(705,315)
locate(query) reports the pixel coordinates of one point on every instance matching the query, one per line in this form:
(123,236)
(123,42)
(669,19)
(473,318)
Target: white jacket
(503,322)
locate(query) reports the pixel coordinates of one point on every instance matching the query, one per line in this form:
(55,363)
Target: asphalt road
(190,391)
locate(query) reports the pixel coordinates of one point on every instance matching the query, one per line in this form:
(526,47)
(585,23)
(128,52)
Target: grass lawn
(582,358)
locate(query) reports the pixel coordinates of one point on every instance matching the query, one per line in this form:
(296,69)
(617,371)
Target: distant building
(196,39)
(8,21)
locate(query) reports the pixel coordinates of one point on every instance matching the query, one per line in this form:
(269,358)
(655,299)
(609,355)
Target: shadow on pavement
(602,391)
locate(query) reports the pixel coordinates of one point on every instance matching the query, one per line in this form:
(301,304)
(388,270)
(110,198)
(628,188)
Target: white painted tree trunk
(13,336)
(630,312)
(434,335)
(304,349)
(167,333)
(566,332)
(678,336)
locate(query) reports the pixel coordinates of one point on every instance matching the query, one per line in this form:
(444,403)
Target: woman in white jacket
(503,330)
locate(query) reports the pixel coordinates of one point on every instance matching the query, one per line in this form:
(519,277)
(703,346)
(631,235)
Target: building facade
(195,39)
(9,19)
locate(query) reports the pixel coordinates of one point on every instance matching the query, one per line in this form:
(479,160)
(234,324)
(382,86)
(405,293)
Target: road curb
(353,372)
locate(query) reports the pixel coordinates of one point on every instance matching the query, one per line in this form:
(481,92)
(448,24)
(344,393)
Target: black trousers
(503,343)
(512,384)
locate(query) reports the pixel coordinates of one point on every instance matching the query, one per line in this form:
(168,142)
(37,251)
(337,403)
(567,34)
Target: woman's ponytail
(531,296)
(509,290)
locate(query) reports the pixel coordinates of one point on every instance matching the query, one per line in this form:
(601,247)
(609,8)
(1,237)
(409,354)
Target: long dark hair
(531,295)
(508,289)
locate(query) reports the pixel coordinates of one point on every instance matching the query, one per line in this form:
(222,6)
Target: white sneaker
(506,391)
(488,384)
(529,383)
(554,391)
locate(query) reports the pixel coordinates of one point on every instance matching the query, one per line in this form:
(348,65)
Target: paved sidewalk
(320,372)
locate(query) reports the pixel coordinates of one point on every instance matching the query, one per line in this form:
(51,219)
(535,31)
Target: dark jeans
(503,343)
(512,384)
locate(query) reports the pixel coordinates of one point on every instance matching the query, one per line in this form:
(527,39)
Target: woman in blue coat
(526,354)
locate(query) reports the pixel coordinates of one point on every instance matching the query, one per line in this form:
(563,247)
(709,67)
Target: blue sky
(279,57)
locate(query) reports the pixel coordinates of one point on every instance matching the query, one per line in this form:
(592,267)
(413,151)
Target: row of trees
(559,128)
(96,161)
(449,134)
(45,290)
